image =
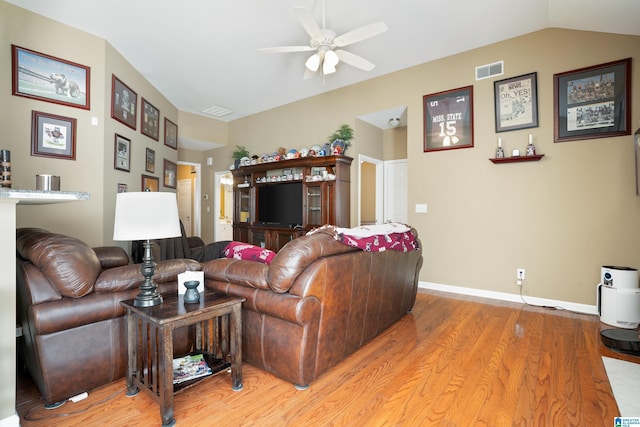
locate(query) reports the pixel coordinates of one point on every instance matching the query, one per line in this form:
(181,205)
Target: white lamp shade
(330,61)
(313,62)
(146,215)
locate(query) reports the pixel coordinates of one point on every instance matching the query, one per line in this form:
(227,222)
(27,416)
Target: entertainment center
(275,202)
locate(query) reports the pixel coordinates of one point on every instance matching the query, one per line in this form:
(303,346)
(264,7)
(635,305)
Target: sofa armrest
(127,277)
(111,256)
(194,242)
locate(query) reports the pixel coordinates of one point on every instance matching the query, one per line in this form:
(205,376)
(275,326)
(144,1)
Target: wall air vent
(490,70)
(215,111)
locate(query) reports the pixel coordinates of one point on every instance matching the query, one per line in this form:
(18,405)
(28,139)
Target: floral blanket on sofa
(374,238)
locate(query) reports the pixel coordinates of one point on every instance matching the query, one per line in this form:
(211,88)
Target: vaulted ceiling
(204,53)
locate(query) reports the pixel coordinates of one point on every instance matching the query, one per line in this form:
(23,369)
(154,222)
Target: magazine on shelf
(190,367)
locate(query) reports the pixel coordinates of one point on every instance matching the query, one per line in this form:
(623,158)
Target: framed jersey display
(448,119)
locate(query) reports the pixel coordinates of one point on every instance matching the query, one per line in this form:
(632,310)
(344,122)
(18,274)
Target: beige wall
(560,218)
(92,171)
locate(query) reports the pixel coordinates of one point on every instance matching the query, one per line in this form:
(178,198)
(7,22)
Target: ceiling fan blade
(286,49)
(354,60)
(359,34)
(309,24)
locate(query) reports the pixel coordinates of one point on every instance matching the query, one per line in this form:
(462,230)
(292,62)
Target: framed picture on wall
(150,183)
(123,103)
(170,134)
(516,102)
(47,78)
(170,174)
(150,161)
(53,136)
(122,188)
(150,120)
(122,153)
(593,102)
(448,119)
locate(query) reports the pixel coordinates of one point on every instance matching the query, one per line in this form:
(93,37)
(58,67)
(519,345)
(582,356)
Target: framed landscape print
(122,153)
(123,103)
(170,174)
(150,120)
(516,102)
(170,134)
(593,102)
(150,183)
(448,119)
(47,78)
(53,136)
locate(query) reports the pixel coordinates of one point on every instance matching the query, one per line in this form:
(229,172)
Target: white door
(395,191)
(184,204)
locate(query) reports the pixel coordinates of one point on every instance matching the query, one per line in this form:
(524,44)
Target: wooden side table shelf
(218,323)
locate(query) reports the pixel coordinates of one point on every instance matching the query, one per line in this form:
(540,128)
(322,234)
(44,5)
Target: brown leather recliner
(68,304)
(317,302)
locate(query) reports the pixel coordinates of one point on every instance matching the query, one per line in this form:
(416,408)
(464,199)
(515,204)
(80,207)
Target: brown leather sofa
(317,302)
(68,304)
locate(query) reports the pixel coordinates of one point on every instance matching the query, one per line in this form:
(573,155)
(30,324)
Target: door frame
(216,202)
(196,215)
(379,186)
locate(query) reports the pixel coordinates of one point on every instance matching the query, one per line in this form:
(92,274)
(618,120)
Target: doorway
(190,172)
(223,206)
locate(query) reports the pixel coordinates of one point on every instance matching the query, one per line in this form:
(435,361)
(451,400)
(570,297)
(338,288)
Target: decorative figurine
(191,295)
(531,149)
(499,150)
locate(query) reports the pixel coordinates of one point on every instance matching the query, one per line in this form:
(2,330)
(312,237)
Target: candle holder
(499,153)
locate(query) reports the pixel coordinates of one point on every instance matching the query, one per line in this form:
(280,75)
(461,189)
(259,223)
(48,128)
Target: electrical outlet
(520,274)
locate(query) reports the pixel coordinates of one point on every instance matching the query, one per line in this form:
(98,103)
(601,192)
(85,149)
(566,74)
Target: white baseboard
(503,296)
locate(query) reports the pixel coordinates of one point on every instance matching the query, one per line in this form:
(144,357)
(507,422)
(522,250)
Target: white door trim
(379,186)
(196,216)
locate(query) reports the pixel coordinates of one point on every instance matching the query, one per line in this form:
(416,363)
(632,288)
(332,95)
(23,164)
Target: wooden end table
(218,335)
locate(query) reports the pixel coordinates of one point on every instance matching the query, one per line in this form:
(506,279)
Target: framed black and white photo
(593,102)
(170,134)
(150,161)
(150,120)
(122,153)
(47,78)
(53,136)
(170,174)
(124,103)
(448,119)
(516,102)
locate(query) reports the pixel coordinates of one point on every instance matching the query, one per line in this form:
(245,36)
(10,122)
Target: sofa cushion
(68,263)
(245,251)
(130,276)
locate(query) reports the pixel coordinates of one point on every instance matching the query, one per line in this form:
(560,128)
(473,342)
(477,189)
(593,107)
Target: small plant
(240,152)
(344,133)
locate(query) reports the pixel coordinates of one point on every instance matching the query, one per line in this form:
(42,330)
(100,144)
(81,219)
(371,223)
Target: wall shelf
(518,159)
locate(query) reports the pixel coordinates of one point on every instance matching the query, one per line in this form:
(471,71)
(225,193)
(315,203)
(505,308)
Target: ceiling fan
(327,46)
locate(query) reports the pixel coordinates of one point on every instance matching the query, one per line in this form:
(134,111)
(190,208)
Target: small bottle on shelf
(499,150)
(531,149)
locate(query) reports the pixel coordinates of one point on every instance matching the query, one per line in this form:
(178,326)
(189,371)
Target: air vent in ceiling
(215,111)
(490,70)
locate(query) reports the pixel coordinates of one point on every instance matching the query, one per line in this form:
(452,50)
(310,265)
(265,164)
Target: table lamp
(146,216)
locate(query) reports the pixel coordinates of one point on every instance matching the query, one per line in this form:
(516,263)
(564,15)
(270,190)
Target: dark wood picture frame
(170,134)
(516,102)
(150,160)
(124,103)
(593,102)
(448,119)
(122,153)
(44,77)
(150,183)
(170,174)
(150,120)
(53,136)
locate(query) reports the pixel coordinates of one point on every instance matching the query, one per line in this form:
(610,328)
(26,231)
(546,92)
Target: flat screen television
(280,204)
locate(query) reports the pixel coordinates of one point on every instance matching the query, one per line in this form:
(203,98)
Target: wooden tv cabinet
(326,182)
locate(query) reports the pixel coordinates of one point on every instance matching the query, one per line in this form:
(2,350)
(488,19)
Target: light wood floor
(454,361)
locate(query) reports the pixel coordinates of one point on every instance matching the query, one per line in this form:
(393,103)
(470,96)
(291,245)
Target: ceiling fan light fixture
(313,63)
(330,61)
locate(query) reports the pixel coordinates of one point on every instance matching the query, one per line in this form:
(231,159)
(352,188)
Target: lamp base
(149,295)
(147,300)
